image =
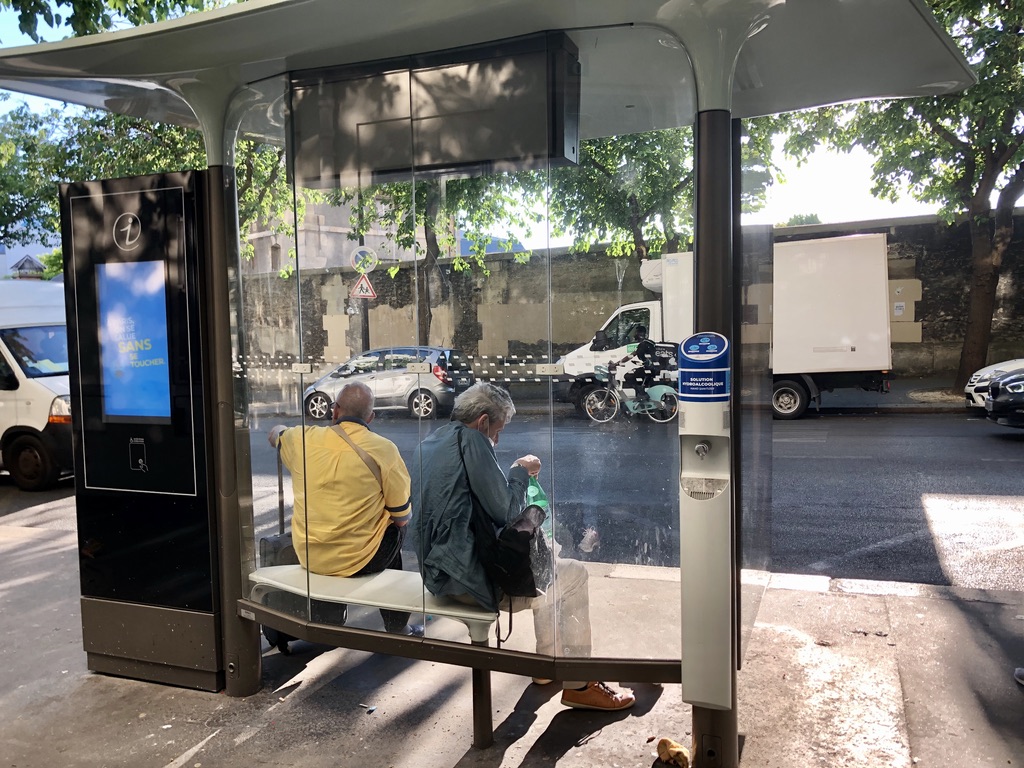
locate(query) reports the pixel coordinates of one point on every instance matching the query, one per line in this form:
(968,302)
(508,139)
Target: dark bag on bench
(517,560)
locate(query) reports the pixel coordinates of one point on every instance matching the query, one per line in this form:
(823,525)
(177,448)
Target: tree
(86,17)
(53,263)
(957,151)
(476,208)
(800,219)
(103,145)
(39,151)
(27,213)
(636,192)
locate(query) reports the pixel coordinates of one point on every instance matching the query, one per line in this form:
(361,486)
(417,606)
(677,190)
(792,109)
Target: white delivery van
(35,406)
(830,313)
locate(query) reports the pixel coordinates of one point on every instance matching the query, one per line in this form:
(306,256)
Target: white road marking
(824,565)
(184,757)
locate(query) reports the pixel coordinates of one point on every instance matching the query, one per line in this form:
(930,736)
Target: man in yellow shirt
(352,495)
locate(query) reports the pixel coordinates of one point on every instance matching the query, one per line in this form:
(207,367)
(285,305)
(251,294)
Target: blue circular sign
(704,368)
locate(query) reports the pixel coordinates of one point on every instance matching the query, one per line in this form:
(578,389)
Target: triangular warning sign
(362,289)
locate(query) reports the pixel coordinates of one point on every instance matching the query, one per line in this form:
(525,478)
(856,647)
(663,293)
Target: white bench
(389,589)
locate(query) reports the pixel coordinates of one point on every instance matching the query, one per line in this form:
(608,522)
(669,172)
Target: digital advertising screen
(134,365)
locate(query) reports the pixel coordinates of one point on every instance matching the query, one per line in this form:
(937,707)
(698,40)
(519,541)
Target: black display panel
(133,277)
(128,270)
(502,106)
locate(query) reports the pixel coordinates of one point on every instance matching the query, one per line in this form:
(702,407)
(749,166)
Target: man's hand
(530,463)
(275,434)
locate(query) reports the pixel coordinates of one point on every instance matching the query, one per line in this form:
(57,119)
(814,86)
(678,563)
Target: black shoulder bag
(517,560)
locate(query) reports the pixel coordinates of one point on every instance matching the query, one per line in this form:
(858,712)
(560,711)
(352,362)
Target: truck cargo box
(831,306)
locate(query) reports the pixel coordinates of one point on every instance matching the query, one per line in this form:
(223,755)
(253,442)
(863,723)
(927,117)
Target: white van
(35,406)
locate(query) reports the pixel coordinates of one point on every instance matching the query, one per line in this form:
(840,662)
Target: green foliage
(103,145)
(633,192)
(27,195)
(53,263)
(800,219)
(479,208)
(86,17)
(636,192)
(956,151)
(950,150)
(265,197)
(39,151)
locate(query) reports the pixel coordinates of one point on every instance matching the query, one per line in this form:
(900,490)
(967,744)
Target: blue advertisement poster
(132,308)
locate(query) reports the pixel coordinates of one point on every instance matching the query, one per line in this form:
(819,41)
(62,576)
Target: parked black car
(1005,401)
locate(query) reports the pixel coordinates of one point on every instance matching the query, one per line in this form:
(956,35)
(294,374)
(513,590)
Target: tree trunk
(424,312)
(636,229)
(986,262)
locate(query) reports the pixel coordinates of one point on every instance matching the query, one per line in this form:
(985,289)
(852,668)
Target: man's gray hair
(483,397)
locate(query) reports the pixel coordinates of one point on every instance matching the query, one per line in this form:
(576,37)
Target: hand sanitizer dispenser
(705,521)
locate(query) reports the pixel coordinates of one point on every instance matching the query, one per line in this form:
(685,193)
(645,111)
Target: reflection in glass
(406,233)
(40,350)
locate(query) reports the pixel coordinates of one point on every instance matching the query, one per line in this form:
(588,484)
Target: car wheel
(318,406)
(422,405)
(30,464)
(789,400)
(581,399)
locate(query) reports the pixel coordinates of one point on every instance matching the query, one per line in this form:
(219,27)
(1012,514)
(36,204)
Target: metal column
(715,731)
(241,637)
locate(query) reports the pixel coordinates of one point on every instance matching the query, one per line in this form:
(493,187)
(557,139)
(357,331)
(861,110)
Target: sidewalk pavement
(836,673)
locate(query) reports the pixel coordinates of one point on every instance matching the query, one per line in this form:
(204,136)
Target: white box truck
(830,321)
(35,407)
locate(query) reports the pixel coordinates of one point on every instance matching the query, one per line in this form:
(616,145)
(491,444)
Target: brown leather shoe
(598,696)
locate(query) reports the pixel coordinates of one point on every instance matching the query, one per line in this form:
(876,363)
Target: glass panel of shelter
(497,300)
(268,324)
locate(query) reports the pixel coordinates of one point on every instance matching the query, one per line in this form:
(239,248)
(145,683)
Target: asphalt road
(924,498)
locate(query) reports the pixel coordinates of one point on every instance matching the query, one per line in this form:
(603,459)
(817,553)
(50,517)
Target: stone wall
(506,313)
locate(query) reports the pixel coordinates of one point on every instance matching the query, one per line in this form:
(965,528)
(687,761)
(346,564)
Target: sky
(834,185)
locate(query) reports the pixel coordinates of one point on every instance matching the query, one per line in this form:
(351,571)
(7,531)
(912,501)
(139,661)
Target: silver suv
(386,372)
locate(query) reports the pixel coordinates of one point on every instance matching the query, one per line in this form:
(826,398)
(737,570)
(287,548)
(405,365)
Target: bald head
(354,401)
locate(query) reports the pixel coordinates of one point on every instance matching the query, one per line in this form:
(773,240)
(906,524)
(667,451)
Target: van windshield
(41,350)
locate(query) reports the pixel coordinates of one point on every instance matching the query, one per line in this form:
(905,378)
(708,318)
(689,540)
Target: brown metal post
(715,731)
(483,726)
(240,637)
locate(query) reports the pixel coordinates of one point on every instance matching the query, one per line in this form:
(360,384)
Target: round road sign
(364,260)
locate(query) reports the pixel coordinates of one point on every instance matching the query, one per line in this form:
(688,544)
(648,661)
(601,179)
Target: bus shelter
(398,129)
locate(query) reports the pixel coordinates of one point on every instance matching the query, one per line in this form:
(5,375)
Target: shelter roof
(752,57)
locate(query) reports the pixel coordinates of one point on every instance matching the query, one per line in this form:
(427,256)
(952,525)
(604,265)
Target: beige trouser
(561,617)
